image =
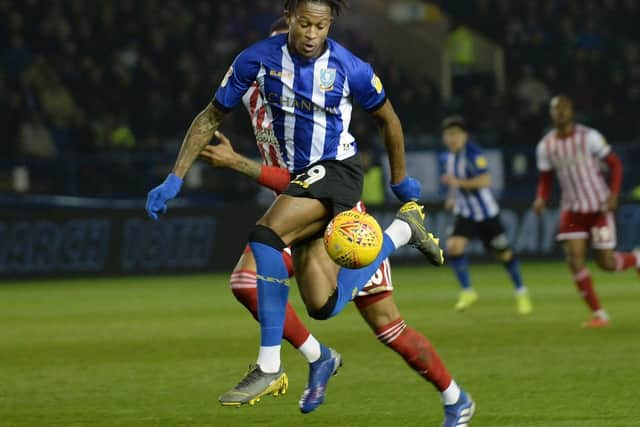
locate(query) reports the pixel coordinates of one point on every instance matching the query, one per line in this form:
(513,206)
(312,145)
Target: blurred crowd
(115,74)
(589,49)
(85,81)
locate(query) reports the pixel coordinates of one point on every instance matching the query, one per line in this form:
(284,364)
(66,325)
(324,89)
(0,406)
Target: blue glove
(158,197)
(407,190)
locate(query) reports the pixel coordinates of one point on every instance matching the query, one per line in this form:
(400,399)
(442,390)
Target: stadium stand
(100,93)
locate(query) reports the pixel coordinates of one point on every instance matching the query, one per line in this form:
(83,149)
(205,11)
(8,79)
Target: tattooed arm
(198,136)
(234,85)
(223,155)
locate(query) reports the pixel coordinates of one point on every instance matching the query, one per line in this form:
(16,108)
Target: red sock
(585,286)
(417,351)
(625,260)
(245,289)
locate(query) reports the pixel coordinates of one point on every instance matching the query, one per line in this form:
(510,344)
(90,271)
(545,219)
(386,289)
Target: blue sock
(351,281)
(273,292)
(513,267)
(460,266)
(325,353)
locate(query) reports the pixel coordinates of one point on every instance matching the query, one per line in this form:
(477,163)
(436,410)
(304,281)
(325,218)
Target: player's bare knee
(379,317)
(455,249)
(606,262)
(575,262)
(266,222)
(504,255)
(321,312)
(454,254)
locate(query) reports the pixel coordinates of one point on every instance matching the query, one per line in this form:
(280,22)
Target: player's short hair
(563,95)
(279,24)
(336,5)
(454,121)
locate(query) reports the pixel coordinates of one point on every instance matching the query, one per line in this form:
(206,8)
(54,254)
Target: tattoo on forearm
(198,136)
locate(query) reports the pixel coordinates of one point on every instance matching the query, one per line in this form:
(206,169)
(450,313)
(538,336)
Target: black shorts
(490,232)
(336,183)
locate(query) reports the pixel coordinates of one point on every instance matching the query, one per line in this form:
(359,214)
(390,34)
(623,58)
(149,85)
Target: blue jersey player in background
(476,213)
(309,82)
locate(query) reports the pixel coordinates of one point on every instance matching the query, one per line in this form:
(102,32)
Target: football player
(308,82)
(476,213)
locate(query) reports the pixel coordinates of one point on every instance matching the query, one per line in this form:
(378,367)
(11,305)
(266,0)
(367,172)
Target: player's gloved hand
(407,190)
(158,197)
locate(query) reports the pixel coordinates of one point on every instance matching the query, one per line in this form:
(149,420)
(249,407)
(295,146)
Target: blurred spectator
(532,93)
(128,76)
(17,57)
(35,139)
(56,101)
(588,49)
(590,37)
(9,112)
(373,183)
(461,47)
(114,135)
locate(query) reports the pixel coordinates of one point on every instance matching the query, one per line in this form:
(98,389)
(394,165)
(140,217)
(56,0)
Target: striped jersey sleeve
(542,156)
(597,144)
(238,79)
(366,86)
(477,160)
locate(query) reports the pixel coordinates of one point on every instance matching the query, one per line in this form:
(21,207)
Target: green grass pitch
(157,351)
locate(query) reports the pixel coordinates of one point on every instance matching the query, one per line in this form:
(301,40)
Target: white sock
(310,349)
(522,291)
(637,254)
(451,395)
(269,359)
(601,314)
(399,232)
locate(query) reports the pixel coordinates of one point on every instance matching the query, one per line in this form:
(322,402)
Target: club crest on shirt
(327,79)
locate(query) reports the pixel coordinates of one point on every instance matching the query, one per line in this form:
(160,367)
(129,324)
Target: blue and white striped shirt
(478,204)
(308,101)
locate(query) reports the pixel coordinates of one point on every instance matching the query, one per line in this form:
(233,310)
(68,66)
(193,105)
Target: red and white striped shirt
(576,160)
(263,127)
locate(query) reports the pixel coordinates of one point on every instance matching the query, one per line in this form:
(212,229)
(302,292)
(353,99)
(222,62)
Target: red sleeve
(545,183)
(274,178)
(615,170)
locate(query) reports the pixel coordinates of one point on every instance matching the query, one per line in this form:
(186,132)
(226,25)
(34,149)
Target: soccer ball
(353,239)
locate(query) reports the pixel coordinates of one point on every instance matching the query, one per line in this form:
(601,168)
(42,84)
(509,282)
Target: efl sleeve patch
(238,79)
(481,162)
(366,86)
(377,83)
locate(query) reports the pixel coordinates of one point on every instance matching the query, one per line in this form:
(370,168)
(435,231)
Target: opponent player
(308,82)
(375,302)
(574,152)
(477,214)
